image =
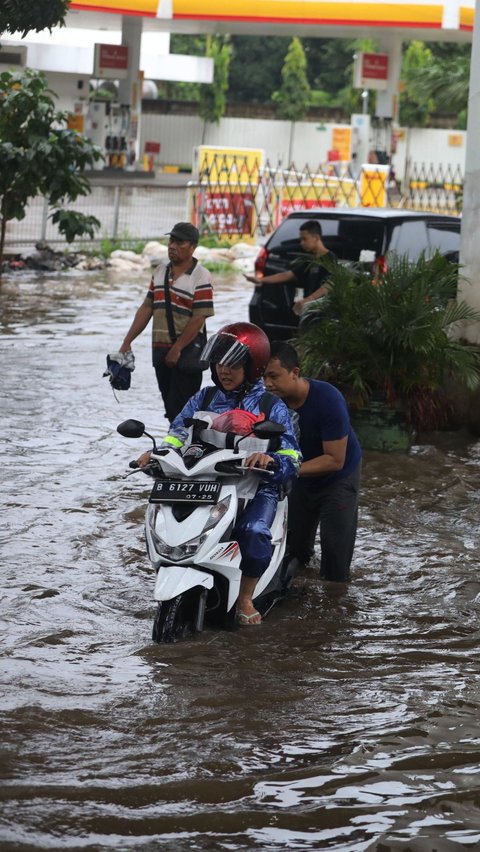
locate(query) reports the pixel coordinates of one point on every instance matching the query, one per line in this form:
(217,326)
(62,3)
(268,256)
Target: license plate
(173,491)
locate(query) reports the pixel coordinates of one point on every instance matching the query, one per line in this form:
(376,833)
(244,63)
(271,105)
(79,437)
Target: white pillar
(387,100)
(130,89)
(470,242)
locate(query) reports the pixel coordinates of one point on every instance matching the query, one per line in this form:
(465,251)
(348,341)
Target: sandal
(246,620)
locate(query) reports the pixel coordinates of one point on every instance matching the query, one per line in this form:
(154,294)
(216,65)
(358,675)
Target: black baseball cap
(185,231)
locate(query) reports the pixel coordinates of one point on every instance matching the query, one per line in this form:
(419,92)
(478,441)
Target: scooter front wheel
(176,618)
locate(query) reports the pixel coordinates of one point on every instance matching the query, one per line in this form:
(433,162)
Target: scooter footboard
(177,579)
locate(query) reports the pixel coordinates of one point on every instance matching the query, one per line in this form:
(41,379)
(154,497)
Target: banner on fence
(228,165)
(322,192)
(228,182)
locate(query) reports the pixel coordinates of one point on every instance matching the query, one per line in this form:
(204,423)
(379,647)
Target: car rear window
(409,238)
(445,239)
(345,237)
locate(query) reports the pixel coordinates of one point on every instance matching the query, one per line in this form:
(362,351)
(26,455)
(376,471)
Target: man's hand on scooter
(144,459)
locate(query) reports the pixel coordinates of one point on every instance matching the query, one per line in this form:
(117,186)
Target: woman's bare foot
(246,612)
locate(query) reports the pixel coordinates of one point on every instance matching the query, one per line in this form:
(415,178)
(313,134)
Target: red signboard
(229,213)
(375,66)
(370,71)
(110,61)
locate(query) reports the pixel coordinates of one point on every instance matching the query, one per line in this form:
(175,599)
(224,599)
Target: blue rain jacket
(253,528)
(288,455)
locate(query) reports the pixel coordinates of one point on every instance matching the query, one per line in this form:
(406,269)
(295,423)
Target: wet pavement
(347,721)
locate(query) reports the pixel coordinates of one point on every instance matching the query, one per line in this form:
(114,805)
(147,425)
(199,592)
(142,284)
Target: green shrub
(392,339)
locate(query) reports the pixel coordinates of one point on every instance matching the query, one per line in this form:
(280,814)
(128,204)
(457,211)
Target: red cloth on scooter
(237,420)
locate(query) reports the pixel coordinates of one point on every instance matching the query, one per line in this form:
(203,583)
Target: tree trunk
(3,229)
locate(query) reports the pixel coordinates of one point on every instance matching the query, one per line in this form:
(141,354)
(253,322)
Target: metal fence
(237,197)
(127,212)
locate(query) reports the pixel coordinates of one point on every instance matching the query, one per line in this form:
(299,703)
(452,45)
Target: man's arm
(298,307)
(140,322)
(188,334)
(333,459)
(278,278)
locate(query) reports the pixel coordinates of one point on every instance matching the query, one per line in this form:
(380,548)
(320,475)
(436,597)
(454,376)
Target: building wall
(178,135)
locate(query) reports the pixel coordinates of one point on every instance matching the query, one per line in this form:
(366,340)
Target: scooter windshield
(226,350)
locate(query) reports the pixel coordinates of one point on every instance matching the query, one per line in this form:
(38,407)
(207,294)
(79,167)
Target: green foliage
(393,337)
(434,79)
(293,97)
(255,74)
(216,241)
(124,242)
(23,16)
(213,96)
(256,71)
(216,266)
(73,224)
(40,155)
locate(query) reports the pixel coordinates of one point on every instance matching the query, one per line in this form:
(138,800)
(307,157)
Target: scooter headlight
(188,548)
(179,551)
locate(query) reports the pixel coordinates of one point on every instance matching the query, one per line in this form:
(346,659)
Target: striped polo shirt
(191,294)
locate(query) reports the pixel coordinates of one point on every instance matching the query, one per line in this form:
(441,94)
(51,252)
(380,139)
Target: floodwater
(347,721)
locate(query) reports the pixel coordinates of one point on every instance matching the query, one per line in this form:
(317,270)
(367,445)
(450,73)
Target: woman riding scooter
(238,355)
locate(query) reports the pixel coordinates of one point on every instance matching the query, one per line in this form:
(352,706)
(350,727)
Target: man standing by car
(179,299)
(327,489)
(310,276)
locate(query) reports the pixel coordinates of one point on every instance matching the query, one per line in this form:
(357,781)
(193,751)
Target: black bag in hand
(189,360)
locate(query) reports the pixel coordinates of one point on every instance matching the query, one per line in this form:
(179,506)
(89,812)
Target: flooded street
(348,721)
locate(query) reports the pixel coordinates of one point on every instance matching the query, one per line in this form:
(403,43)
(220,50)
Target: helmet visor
(226,350)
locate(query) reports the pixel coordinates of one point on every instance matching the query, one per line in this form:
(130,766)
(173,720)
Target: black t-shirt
(309,273)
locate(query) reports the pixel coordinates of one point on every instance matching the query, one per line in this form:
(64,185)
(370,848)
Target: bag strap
(168,306)
(267,402)
(207,399)
(169,313)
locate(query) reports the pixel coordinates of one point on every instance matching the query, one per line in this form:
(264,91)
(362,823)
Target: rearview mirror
(131,428)
(268,429)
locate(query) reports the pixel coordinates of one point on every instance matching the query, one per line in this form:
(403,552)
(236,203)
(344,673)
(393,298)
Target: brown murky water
(347,721)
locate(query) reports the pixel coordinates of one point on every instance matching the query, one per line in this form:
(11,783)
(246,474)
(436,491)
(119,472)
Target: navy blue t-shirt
(324,417)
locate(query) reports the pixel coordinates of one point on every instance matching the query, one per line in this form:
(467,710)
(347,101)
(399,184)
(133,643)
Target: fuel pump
(382,139)
(107,126)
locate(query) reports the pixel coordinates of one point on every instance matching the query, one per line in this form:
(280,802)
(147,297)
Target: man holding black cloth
(179,299)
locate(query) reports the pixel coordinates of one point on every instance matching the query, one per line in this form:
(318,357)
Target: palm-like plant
(392,338)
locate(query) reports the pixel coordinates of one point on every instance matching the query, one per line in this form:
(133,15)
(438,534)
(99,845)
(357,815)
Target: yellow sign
(226,165)
(455,140)
(373,186)
(76,121)
(341,141)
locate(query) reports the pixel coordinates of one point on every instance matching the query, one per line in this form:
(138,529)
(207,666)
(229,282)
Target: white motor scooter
(196,497)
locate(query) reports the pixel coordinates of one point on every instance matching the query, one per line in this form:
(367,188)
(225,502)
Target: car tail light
(379,269)
(261,262)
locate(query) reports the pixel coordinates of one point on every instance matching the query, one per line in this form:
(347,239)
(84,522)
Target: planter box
(382,428)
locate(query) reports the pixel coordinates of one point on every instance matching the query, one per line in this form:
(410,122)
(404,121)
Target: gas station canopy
(451,20)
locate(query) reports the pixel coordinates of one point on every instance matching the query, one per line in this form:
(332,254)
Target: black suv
(354,235)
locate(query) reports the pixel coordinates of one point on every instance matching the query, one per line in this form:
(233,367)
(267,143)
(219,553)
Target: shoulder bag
(189,361)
